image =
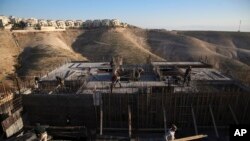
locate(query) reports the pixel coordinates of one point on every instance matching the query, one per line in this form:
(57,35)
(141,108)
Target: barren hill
(41,51)
(102,44)
(228,51)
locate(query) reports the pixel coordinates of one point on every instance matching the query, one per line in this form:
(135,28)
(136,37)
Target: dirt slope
(43,51)
(225,50)
(8,52)
(102,44)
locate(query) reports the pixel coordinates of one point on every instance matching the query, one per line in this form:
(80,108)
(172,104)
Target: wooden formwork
(150,109)
(187,110)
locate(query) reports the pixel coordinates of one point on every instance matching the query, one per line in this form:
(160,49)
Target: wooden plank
(191,138)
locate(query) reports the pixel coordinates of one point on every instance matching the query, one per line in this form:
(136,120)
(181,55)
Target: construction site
(80,101)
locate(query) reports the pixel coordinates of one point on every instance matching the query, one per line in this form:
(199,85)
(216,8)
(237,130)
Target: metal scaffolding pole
(215,127)
(234,116)
(101,119)
(129,122)
(165,120)
(194,120)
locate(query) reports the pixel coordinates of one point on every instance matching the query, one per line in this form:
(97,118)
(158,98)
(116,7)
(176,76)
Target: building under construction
(79,101)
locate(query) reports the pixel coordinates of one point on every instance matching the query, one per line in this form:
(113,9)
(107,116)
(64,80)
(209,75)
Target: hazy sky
(169,14)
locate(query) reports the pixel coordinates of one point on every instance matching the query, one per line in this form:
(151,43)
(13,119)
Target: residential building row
(13,23)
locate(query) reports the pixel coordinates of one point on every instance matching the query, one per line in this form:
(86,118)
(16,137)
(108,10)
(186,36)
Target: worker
(111,63)
(37,79)
(59,81)
(170,135)
(138,72)
(40,132)
(120,61)
(187,76)
(116,78)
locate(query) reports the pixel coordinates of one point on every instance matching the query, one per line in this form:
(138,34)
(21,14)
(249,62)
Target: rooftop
(87,76)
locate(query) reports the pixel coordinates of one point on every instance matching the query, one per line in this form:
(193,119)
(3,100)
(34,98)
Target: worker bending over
(170,135)
(41,132)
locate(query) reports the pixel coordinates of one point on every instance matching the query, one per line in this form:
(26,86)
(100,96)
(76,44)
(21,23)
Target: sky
(223,15)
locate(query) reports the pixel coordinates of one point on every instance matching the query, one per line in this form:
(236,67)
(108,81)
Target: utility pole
(239,26)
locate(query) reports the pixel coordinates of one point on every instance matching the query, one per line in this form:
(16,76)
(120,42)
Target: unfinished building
(78,100)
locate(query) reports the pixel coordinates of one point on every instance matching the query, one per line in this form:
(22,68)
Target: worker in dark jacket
(37,79)
(187,76)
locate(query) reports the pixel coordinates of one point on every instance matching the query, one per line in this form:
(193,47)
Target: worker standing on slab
(187,76)
(111,63)
(116,78)
(37,79)
(41,132)
(138,72)
(170,135)
(60,81)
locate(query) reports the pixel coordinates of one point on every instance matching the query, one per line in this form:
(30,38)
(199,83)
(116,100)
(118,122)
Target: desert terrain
(33,53)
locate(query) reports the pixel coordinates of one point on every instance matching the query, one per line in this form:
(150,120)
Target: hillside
(9,52)
(227,51)
(43,51)
(102,44)
(38,52)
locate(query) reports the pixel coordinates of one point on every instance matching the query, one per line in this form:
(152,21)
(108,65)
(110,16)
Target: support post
(165,120)
(129,122)
(17,84)
(101,119)
(232,112)
(194,120)
(215,127)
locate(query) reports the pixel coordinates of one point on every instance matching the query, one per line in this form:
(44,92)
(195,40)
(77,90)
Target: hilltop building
(42,22)
(69,24)
(32,22)
(96,23)
(5,22)
(51,25)
(106,22)
(88,24)
(15,20)
(60,24)
(78,24)
(115,22)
